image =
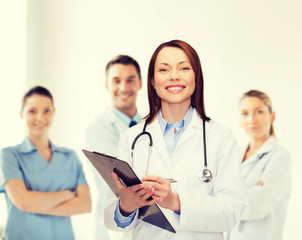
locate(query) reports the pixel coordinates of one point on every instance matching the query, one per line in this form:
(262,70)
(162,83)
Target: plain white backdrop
(64,45)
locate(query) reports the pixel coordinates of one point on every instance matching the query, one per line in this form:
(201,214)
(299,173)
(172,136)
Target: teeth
(39,126)
(174,88)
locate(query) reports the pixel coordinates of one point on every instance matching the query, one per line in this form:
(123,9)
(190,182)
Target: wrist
(125,212)
(175,203)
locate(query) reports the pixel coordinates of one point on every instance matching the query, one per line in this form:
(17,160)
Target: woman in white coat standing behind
(266,168)
(197,209)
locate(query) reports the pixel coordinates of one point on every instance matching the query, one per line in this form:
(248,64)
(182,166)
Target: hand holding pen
(163,192)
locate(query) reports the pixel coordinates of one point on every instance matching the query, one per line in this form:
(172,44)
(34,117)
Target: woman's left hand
(166,198)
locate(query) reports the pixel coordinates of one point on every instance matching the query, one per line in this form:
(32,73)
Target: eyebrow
(33,107)
(132,76)
(260,107)
(167,64)
(256,108)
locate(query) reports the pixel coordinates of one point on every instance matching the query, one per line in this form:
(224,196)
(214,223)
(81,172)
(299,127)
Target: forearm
(80,204)
(34,201)
(38,202)
(261,200)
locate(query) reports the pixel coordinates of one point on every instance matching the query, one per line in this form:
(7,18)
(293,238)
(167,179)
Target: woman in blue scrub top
(266,169)
(44,184)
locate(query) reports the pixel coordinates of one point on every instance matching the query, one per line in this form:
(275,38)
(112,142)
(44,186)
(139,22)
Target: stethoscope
(205,175)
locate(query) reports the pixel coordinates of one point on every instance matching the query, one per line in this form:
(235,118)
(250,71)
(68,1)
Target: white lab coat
(102,135)
(264,216)
(207,209)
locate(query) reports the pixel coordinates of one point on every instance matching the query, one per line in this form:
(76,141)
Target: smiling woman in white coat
(198,207)
(266,168)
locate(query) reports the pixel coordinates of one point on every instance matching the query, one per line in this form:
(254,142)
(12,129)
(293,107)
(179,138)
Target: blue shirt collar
(125,118)
(164,125)
(27,147)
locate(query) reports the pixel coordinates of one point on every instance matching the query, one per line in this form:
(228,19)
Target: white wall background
(12,76)
(65,44)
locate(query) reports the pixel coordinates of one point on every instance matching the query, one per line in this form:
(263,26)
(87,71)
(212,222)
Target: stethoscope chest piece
(205,175)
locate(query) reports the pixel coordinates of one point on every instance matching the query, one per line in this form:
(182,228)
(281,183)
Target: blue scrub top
(64,172)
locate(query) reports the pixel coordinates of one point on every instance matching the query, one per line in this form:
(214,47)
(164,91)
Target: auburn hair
(197,98)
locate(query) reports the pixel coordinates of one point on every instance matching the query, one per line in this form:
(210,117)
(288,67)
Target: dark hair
(197,98)
(125,60)
(37,90)
(265,99)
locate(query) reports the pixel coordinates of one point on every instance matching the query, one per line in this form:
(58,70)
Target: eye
(185,68)
(47,111)
(32,111)
(130,80)
(116,81)
(163,70)
(244,114)
(259,111)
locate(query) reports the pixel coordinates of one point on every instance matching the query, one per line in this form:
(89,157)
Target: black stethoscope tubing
(206,174)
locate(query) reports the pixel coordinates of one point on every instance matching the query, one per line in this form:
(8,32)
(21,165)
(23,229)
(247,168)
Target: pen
(171,180)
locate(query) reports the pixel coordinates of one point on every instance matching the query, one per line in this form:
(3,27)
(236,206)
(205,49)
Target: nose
(123,86)
(251,118)
(39,116)
(174,74)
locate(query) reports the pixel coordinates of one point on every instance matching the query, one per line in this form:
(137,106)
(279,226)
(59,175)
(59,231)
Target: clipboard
(106,164)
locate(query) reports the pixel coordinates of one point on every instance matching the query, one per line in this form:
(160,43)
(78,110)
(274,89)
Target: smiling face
(174,78)
(123,84)
(256,119)
(38,112)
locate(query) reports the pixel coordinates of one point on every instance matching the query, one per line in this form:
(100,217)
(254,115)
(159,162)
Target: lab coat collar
(110,115)
(196,120)
(266,147)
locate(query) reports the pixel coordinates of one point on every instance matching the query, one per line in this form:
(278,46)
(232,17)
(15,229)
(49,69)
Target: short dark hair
(37,90)
(197,98)
(125,60)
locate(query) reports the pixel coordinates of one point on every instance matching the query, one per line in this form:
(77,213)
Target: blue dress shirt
(125,118)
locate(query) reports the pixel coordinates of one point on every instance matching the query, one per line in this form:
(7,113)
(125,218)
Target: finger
(148,183)
(117,181)
(141,192)
(156,185)
(136,187)
(151,202)
(153,178)
(260,183)
(148,193)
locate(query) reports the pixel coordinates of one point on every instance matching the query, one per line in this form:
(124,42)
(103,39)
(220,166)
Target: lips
(40,126)
(253,128)
(125,96)
(175,88)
